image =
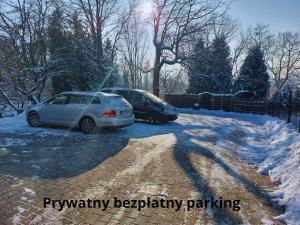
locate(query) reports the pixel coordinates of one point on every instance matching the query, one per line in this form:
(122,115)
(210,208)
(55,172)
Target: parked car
(84,110)
(146,106)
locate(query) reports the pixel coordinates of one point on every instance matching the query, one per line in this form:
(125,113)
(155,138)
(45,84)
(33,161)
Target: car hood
(36,106)
(168,106)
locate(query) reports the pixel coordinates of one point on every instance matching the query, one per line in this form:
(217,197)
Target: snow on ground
(13,141)
(274,147)
(282,163)
(29,191)
(18,124)
(265,141)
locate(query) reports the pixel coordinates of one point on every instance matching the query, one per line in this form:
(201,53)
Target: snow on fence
(231,103)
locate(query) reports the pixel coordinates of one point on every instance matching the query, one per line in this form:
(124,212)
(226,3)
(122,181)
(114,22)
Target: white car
(84,110)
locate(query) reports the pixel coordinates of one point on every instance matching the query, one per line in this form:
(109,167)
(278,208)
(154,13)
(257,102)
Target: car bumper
(115,122)
(169,117)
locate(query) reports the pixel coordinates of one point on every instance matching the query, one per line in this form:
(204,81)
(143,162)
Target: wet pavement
(109,165)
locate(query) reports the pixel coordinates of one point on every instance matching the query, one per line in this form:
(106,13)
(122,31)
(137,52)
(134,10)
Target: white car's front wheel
(33,119)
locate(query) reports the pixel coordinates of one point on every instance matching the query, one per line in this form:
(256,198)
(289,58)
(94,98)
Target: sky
(281,15)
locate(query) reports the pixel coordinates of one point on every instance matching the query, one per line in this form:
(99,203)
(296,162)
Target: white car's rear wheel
(87,125)
(34,119)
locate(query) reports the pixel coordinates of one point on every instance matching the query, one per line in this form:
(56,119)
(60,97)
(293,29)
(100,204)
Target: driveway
(199,156)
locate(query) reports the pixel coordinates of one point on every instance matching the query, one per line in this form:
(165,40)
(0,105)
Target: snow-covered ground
(265,141)
(18,124)
(274,147)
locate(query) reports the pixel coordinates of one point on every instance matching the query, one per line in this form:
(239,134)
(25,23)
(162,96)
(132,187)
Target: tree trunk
(156,72)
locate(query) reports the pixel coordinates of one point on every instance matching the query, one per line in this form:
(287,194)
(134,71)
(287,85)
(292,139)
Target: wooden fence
(230,103)
(227,103)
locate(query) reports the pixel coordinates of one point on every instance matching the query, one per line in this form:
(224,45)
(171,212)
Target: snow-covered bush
(282,95)
(296,98)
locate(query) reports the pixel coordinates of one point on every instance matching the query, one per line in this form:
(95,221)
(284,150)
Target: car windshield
(115,100)
(152,97)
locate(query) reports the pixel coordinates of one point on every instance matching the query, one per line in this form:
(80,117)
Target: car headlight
(170,111)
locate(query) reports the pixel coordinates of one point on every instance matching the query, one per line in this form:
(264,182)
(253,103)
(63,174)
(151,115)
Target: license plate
(125,113)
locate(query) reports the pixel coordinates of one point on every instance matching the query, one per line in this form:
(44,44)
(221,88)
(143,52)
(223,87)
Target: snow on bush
(282,95)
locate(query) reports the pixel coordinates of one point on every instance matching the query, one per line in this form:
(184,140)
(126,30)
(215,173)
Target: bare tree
(257,35)
(22,30)
(103,19)
(173,21)
(240,46)
(281,52)
(135,51)
(173,79)
(225,26)
(260,35)
(283,58)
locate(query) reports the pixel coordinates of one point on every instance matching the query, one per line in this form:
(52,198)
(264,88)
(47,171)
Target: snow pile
(272,145)
(275,148)
(283,165)
(13,123)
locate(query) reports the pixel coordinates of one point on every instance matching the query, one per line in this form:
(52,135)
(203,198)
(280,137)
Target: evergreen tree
(75,64)
(199,80)
(220,66)
(57,49)
(211,68)
(78,32)
(253,74)
(109,53)
(78,63)
(109,61)
(69,63)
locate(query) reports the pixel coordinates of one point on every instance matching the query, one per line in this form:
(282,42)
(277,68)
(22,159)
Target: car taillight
(110,114)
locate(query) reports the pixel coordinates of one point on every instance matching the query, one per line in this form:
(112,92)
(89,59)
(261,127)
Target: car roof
(88,93)
(125,89)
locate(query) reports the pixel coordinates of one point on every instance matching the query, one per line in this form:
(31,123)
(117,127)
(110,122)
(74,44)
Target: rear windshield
(115,100)
(153,97)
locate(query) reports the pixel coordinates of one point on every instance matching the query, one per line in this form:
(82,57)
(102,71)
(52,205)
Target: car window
(153,97)
(95,100)
(82,99)
(123,93)
(115,100)
(135,96)
(58,100)
(77,99)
